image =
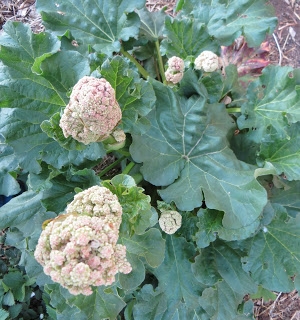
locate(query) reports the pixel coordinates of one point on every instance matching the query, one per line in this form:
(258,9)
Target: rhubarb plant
(197,141)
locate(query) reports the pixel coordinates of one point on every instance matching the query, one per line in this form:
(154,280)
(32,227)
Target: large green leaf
(137,214)
(34,80)
(284,154)
(20,209)
(100,23)
(106,304)
(274,256)
(177,296)
(135,96)
(61,188)
(149,245)
(152,23)
(273,101)
(150,304)
(226,20)
(187,150)
(288,197)
(102,304)
(136,276)
(219,262)
(220,268)
(186,37)
(221,302)
(8,184)
(211,227)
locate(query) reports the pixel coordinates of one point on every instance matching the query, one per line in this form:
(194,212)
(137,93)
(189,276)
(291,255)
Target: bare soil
(284,50)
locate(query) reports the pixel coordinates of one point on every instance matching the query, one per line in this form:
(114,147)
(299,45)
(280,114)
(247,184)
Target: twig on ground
(274,304)
(279,50)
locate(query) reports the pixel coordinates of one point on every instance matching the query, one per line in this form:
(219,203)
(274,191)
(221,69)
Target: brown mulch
(284,50)
(287,33)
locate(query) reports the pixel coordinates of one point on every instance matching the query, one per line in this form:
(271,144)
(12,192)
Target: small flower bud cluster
(170,221)
(175,70)
(79,249)
(93,111)
(207,61)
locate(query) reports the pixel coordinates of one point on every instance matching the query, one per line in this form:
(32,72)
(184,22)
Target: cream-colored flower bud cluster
(92,112)
(79,249)
(170,221)
(207,61)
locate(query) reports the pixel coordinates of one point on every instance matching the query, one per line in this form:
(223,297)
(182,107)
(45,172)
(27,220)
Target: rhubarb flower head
(170,221)
(92,112)
(175,70)
(207,61)
(79,249)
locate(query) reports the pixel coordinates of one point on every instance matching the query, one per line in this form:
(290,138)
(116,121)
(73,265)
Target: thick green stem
(233,110)
(138,177)
(111,166)
(142,71)
(160,62)
(128,167)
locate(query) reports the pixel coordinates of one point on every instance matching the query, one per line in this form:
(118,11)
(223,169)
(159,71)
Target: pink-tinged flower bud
(79,249)
(176,64)
(92,112)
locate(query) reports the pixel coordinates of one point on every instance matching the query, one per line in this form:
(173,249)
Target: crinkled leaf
(210,228)
(252,18)
(186,37)
(267,295)
(31,97)
(288,197)
(151,304)
(61,191)
(284,154)
(227,20)
(149,245)
(274,257)
(245,146)
(137,214)
(59,157)
(152,23)
(130,196)
(20,209)
(8,184)
(136,276)
(16,282)
(135,96)
(8,299)
(53,130)
(3,314)
(33,268)
(102,304)
(222,302)
(219,262)
(179,288)
(188,227)
(273,101)
(214,86)
(100,23)
(187,150)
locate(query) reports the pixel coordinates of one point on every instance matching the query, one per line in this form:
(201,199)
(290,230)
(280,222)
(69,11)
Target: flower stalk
(160,62)
(142,71)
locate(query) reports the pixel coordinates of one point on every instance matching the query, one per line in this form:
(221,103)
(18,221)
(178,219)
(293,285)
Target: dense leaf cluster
(231,169)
